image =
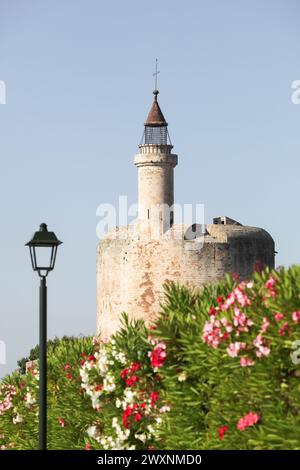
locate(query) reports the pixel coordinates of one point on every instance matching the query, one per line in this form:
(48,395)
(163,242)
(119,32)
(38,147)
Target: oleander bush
(219,369)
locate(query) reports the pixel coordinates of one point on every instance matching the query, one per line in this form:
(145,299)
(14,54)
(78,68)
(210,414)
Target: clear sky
(78,76)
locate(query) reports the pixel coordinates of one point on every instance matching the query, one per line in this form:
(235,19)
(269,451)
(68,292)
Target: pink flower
(262,349)
(222,431)
(270,283)
(296,316)
(229,301)
(248,420)
(234,348)
(67,366)
(61,421)
(237,295)
(241,321)
(278,316)
(212,332)
(265,325)
(88,446)
(246,361)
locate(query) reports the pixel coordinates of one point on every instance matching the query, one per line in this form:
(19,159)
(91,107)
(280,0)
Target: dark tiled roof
(155,116)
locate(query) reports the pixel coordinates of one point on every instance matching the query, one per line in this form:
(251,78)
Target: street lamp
(43,248)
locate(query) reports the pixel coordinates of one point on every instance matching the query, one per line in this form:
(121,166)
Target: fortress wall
(131,273)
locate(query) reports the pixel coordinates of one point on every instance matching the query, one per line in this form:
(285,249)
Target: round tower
(132,269)
(155,162)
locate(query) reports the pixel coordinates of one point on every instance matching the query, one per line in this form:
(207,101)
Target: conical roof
(155,117)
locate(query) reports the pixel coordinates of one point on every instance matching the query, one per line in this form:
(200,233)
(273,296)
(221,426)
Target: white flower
(115,422)
(29,399)
(109,382)
(151,429)
(118,403)
(164,409)
(181,377)
(141,437)
(17,419)
(129,395)
(92,431)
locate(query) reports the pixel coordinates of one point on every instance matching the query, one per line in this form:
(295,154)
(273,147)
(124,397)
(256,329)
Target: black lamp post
(43,249)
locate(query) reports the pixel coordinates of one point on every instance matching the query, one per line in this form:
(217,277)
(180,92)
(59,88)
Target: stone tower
(155,164)
(134,262)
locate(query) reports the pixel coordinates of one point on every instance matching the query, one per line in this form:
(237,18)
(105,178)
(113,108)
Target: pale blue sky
(79,82)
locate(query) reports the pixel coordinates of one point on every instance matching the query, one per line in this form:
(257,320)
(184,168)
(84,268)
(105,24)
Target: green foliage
(203,384)
(64,401)
(218,391)
(33,355)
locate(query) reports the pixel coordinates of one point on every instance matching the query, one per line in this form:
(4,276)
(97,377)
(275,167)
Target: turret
(155,162)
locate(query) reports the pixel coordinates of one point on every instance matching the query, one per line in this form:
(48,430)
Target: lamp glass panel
(43,256)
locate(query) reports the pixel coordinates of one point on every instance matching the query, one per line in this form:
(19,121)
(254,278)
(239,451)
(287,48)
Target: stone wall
(131,272)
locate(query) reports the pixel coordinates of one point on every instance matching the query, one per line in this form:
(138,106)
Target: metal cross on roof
(155,74)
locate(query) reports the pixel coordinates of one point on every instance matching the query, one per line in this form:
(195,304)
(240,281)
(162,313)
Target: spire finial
(155,92)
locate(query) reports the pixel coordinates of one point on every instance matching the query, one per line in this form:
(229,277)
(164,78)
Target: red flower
(128,374)
(278,316)
(68,376)
(98,388)
(124,373)
(91,357)
(154,397)
(158,355)
(126,414)
(88,446)
(220,300)
(212,311)
(67,366)
(222,431)
(135,367)
(138,417)
(82,362)
(131,381)
(285,328)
